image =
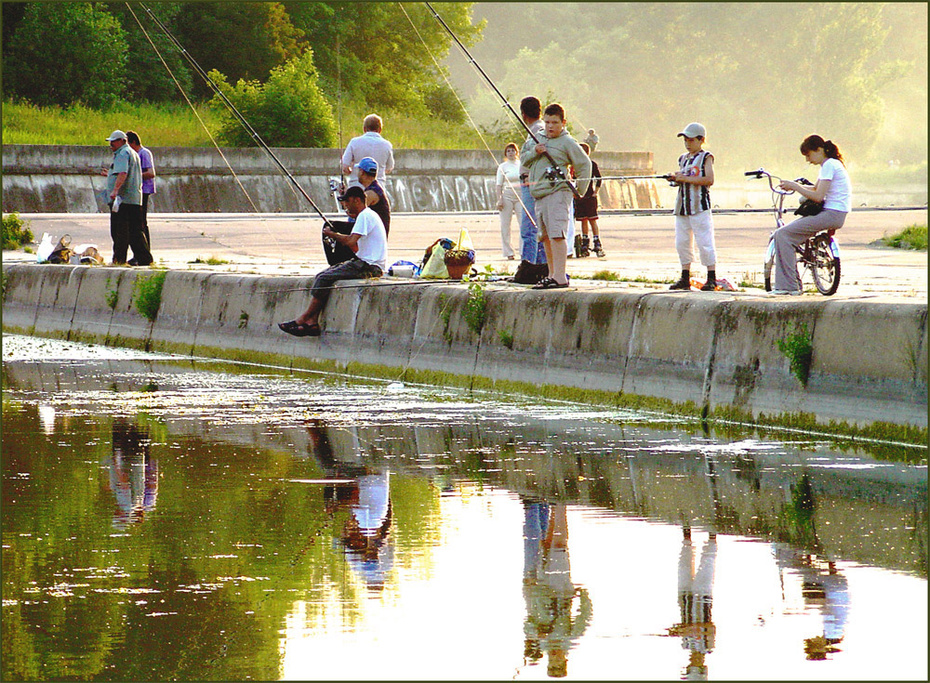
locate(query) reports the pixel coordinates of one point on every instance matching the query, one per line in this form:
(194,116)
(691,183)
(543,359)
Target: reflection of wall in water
(615,468)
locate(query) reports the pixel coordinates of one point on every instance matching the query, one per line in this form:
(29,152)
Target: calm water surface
(173,519)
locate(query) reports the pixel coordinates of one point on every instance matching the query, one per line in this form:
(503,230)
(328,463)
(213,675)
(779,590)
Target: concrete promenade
(713,354)
(639,245)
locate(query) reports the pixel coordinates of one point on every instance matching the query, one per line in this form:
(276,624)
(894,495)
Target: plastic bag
(45,249)
(434,260)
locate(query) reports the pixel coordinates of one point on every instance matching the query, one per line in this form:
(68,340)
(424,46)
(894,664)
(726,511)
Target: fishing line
(255,210)
(487,78)
(515,188)
(191,105)
(236,113)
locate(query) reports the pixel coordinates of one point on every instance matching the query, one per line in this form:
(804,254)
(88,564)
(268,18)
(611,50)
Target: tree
(287,111)
(147,79)
(67,52)
(242,40)
(381,53)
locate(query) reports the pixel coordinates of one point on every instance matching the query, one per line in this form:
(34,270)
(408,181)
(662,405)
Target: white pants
(511,209)
(698,229)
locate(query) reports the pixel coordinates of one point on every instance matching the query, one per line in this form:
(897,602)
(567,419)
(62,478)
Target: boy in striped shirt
(694,222)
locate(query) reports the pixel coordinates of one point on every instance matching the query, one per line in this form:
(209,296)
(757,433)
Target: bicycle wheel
(768,263)
(825,264)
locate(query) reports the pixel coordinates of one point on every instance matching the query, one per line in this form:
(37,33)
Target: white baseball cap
(117,135)
(693,130)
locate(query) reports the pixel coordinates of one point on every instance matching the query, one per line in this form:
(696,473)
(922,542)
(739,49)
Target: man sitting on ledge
(369,242)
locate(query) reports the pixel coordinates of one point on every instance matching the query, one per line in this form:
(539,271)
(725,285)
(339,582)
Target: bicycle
(819,254)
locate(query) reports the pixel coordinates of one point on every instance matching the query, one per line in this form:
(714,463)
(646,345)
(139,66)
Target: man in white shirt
(369,144)
(368,240)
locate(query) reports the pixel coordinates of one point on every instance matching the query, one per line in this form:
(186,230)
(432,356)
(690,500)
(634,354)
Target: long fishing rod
(499,94)
(239,117)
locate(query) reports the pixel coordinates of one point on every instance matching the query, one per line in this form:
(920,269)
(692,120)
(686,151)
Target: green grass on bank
(912,237)
(163,125)
(175,125)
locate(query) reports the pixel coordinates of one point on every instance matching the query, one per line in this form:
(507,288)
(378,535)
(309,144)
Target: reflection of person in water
(133,473)
(824,590)
(695,598)
(548,589)
(365,535)
(823,587)
(365,493)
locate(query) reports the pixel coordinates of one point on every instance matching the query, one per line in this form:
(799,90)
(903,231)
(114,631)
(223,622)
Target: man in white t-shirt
(369,144)
(368,240)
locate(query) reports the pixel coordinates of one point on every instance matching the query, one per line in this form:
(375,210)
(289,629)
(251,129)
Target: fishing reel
(554,173)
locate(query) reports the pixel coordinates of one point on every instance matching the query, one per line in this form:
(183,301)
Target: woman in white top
(508,200)
(833,189)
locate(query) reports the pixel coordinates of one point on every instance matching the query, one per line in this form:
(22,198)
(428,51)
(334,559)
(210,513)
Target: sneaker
(786,292)
(709,286)
(683,283)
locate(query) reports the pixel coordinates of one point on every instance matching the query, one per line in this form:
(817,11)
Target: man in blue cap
(375,198)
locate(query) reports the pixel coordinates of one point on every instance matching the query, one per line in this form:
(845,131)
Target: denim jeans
(532,249)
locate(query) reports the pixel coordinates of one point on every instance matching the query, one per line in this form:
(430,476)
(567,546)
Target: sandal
(549,283)
(299,330)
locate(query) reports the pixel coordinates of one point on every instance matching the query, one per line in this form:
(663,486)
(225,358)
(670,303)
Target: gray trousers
(793,234)
(353,269)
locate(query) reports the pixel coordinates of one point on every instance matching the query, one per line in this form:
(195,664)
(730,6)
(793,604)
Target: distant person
(532,250)
(508,203)
(148,182)
(592,140)
(694,222)
(368,240)
(124,189)
(375,198)
(586,212)
(369,144)
(550,187)
(833,189)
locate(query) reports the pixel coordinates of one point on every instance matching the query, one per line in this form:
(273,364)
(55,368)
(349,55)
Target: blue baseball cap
(368,165)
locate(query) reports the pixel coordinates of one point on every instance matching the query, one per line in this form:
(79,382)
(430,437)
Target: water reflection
(316,530)
(133,473)
(695,599)
(552,626)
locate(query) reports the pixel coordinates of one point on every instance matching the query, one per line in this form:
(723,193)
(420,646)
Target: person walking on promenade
(694,220)
(550,188)
(586,212)
(592,140)
(833,189)
(508,180)
(124,189)
(368,144)
(369,242)
(148,181)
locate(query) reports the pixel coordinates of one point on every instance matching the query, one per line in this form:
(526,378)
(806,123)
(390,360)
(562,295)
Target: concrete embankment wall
(716,351)
(64,179)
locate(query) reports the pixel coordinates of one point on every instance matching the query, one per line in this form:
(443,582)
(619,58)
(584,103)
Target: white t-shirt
(508,175)
(372,246)
(372,145)
(839,196)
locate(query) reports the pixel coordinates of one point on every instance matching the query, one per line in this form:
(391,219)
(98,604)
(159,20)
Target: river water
(168,518)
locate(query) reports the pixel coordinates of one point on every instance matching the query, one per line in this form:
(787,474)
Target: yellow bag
(434,260)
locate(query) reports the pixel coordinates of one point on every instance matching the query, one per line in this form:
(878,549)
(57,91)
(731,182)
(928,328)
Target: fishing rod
(367,285)
(519,118)
(239,117)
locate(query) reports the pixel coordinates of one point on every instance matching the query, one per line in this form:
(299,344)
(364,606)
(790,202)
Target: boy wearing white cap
(694,221)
